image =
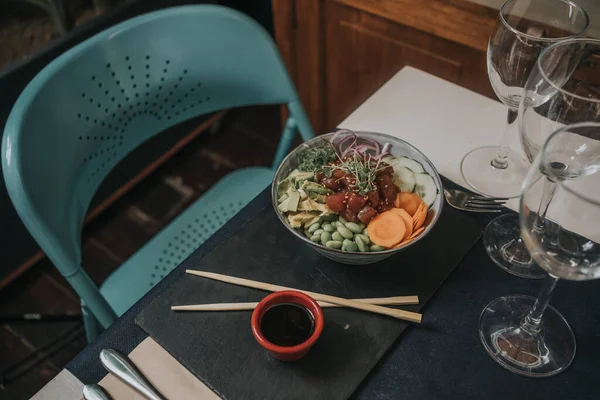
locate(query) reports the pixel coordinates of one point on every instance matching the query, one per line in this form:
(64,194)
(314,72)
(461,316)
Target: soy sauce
(287,324)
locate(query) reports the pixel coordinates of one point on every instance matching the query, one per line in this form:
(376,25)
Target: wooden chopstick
(389,301)
(399,314)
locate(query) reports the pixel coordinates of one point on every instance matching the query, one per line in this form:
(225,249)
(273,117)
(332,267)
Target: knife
(123,368)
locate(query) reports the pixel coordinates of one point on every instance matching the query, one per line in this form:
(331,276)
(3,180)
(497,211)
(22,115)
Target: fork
(469,202)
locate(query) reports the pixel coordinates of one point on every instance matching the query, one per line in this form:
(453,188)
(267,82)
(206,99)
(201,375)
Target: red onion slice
(350,148)
(372,142)
(386,149)
(362,146)
(338,133)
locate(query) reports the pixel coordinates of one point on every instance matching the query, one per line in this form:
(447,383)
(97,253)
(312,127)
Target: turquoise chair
(93,105)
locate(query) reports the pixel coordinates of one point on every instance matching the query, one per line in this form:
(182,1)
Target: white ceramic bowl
(399,148)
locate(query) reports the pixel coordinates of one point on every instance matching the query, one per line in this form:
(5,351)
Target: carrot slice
(416,233)
(416,217)
(402,243)
(404,200)
(417,198)
(408,201)
(417,223)
(420,216)
(408,221)
(386,229)
(410,238)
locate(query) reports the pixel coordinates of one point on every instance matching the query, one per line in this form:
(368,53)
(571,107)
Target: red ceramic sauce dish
(287,324)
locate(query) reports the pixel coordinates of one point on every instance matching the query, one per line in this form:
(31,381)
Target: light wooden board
(64,386)
(161,369)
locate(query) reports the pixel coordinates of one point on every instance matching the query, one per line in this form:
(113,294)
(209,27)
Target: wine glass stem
(501,159)
(547,195)
(531,323)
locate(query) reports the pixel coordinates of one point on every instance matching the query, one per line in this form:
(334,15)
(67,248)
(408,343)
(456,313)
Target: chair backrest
(94,104)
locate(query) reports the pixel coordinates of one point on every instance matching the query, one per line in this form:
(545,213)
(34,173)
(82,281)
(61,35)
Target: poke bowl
(357,197)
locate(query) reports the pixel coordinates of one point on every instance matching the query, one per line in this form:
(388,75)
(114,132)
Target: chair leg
(92,326)
(285,143)
(87,289)
(302,122)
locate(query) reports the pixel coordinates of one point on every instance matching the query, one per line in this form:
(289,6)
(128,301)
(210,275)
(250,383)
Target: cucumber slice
(391,160)
(409,163)
(404,178)
(426,188)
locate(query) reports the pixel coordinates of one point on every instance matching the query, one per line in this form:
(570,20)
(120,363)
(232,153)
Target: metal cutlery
(95,392)
(123,368)
(469,202)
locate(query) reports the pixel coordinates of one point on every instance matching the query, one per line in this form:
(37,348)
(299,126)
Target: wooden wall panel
(364,52)
(459,21)
(310,22)
(339,52)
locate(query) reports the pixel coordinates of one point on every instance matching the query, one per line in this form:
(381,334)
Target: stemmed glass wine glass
(563,88)
(523,334)
(523,30)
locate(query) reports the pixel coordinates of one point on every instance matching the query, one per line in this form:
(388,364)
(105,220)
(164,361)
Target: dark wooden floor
(248,137)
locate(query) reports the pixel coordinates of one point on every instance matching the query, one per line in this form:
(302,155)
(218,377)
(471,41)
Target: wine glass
(523,334)
(562,89)
(523,30)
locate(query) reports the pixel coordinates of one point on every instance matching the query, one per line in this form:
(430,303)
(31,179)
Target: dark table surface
(439,359)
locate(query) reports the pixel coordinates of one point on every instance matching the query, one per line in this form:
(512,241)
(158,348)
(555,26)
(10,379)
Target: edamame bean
(349,245)
(315,238)
(313,227)
(364,238)
(376,248)
(318,232)
(342,220)
(334,224)
(334,244)
(336,236)
(365,232)
(362,226)
(345,232)
(362,246)
(353,227)
(319,190)
(328,228)
(325,237)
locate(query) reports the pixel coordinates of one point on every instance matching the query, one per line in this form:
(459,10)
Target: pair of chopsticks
(371,305)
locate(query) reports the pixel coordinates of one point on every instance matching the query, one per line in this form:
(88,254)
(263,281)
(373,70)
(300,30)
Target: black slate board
(220,349)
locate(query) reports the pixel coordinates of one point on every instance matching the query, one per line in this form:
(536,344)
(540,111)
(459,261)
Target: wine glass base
(502,242)
(477,170)
(542,354)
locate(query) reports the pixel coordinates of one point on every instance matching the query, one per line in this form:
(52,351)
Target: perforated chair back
(93,105)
